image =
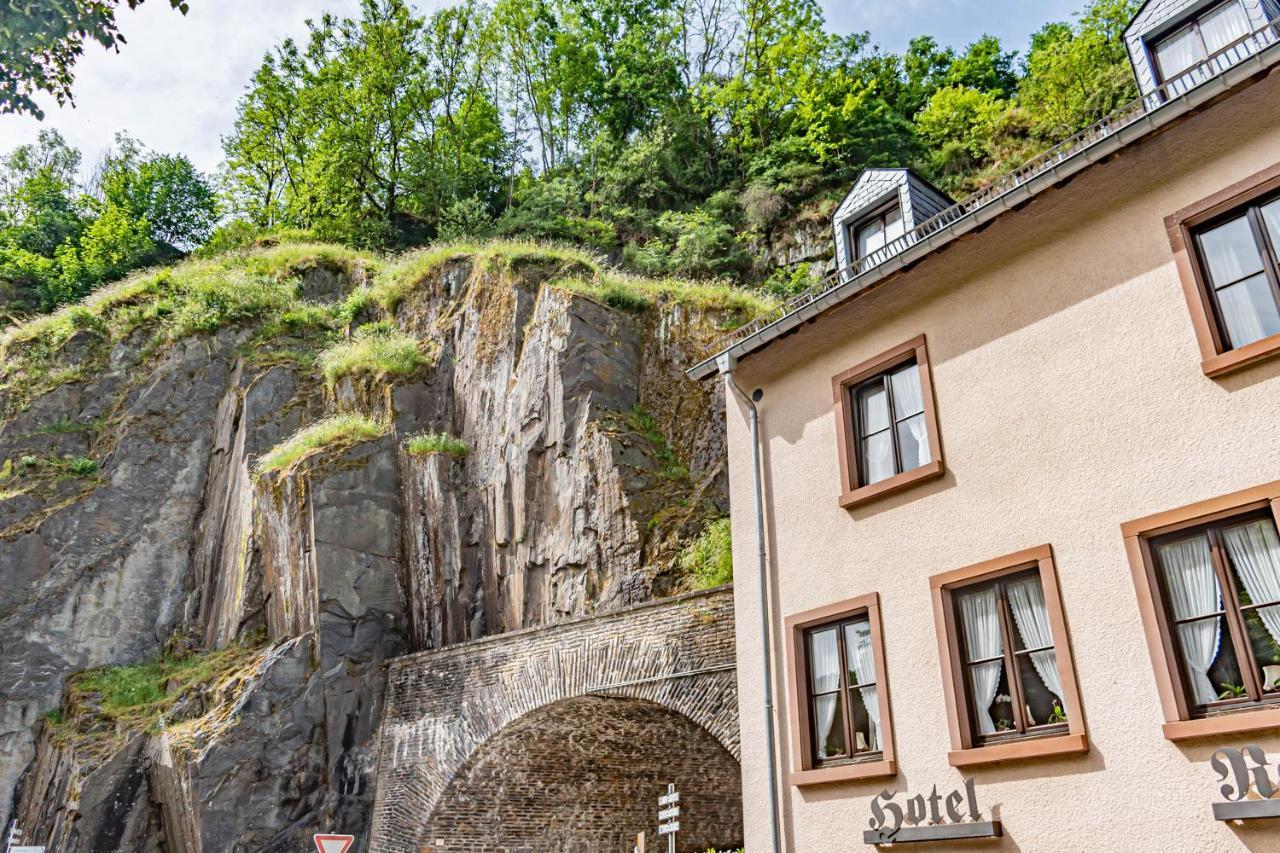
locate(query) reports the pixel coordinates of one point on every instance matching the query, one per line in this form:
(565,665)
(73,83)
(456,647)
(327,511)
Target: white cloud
(174,85)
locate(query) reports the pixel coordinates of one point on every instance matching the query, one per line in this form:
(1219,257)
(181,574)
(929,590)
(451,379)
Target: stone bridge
(562,737)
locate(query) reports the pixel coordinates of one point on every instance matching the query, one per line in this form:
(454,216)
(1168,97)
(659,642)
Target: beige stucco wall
(1070,399)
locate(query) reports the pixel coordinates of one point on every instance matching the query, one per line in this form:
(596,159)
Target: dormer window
(879,218)
(1200,38)
(874,233)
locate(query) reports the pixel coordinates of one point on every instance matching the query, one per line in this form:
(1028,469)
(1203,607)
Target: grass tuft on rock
(111,701)
(708,559)
(376,349)
(636,294)
(337,432)
(429,443)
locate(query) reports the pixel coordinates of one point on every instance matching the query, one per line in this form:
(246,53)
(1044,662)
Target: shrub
(708,559)
(428,443)
(376,349)
(336,432)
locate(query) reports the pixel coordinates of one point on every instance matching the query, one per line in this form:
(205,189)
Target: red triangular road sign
(333,843)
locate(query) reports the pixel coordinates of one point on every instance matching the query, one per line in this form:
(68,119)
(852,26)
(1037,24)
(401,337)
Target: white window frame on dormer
(878,214)
(1192,25)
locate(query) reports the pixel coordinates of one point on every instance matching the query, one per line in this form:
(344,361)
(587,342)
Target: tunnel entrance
(584,774)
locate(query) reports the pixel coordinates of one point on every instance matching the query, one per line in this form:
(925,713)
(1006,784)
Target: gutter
(1068,167)
(726,365)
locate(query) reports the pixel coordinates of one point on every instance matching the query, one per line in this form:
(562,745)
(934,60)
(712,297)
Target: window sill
(1040,747)
(894,484)
(844,772)
(1238,359)
(1222,724)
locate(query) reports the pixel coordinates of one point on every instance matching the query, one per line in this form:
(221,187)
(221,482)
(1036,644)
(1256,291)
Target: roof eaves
(1066,168)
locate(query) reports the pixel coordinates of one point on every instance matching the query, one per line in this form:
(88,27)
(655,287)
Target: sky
(175,84)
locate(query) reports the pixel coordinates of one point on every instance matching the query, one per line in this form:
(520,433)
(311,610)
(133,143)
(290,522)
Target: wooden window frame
(966,748)
(1217,358)
(854,494)
(806,770)
(1181,722)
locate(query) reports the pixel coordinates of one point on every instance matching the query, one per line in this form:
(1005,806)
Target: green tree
(165,190)
(40,42)
(962,127)
(1078,75)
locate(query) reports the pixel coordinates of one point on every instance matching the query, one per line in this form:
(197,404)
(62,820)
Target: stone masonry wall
(585,775)
(443,706)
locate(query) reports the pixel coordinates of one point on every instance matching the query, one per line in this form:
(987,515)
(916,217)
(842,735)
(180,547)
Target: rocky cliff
(230,491)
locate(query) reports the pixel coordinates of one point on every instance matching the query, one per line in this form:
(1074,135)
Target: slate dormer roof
(918,199)
(1156,19)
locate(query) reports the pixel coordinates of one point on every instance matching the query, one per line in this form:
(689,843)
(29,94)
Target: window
(1011,690)
(840,709)
(887,426)
(1227,248)
(842,691)
(871,235)
(1208,580)
(1238,255)
(1199,39)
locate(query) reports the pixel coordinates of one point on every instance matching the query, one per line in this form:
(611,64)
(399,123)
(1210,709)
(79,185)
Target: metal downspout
(727,363)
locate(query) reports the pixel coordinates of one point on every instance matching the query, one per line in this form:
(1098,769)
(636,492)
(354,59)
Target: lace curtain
(826,679)
(1193,589)
(857,640)
(982,639)
(1255,552)
(909,400)
(1026,600)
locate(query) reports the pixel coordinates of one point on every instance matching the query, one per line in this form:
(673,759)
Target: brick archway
(585,774)
(443,705)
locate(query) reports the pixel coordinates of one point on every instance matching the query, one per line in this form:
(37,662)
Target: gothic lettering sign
(932,818)
(1239,770)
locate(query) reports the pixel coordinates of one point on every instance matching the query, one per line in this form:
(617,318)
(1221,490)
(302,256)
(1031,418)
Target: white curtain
(1255,553)
(826,678)
(1271,216)
(877,447)
(1230,252)
(1248,310)
(1178,53)
(857,640)
(1194,591)
(1224,25)
(908,399)
(1026,599)
(982,637)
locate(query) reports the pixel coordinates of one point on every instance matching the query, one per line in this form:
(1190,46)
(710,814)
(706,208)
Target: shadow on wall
(585,774)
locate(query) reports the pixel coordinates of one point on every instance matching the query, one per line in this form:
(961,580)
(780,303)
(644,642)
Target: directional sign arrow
(668,828)
(674,811)
(333,843)
(668,799)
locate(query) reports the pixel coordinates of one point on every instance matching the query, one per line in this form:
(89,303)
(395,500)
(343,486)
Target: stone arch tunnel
(563,737)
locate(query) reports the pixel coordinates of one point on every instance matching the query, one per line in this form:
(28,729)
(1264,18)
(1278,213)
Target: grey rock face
(103,581)
(590,459)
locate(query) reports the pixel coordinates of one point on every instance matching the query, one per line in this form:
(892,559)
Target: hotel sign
(932,818)
(1240,770)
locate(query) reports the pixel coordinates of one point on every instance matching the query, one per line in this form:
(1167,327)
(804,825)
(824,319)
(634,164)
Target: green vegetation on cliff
(376,349)
(428,443)
(108,703)
(333,433)
(708,559)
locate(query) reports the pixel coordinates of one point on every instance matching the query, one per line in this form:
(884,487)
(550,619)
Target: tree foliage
(665,131)
(59,240)
(40,41)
